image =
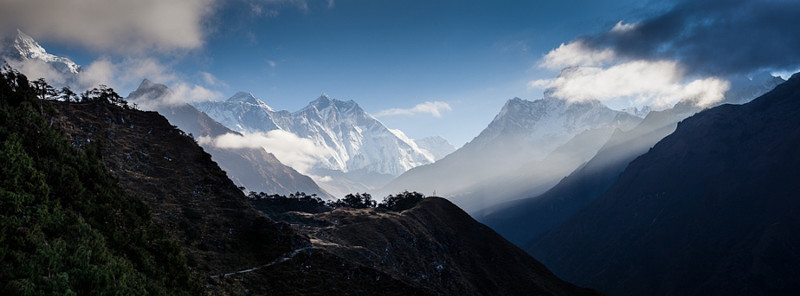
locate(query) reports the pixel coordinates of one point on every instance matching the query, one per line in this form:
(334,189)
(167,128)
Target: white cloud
(323,179)
(119,26)
(539,83)
(433,108)
(181,93)
(657,83)
(601,74)
(126,74)
(621,28)
(575,54)
(36,69)
(298,153)
(212,80)
(133,70)
(271,63)
(190,93)
(100,71)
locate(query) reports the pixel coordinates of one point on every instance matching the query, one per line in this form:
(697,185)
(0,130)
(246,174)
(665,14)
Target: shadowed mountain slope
(524,220)
(525,148)
(710,210)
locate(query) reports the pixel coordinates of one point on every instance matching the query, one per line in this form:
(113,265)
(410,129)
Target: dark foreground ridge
(435,246)
(195,232)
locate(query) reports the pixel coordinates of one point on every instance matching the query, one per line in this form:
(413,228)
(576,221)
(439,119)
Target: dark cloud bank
(716,37)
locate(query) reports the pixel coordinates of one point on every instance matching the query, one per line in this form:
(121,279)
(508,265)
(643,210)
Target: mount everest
(356,151)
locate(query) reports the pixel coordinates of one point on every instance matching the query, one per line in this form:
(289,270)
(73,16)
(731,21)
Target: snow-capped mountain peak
(22,47)
(248,98)
(437,146)
(350,139)
(546,123)
(149,90)
(325,102)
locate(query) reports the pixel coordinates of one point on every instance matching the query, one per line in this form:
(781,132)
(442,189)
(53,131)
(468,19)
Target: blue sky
(466,57)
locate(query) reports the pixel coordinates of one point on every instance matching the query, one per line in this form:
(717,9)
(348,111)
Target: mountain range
(357,152)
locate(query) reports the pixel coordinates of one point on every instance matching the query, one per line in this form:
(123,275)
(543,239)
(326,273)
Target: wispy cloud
(576,53)
(116,26)
(660,84)
(126,73)
(298,153)
(539,83)
(433,108)
(212,80)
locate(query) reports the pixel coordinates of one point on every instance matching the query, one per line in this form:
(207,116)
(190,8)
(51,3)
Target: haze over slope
(523,220)
(523,141)
(709,210)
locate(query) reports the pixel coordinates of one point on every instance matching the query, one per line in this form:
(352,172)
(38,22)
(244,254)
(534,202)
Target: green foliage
(402,201)
(65,226)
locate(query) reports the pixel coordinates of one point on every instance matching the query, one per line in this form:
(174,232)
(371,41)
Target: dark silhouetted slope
(711,209)
(435,246)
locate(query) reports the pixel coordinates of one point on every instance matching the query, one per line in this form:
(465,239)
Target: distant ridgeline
(65,226)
